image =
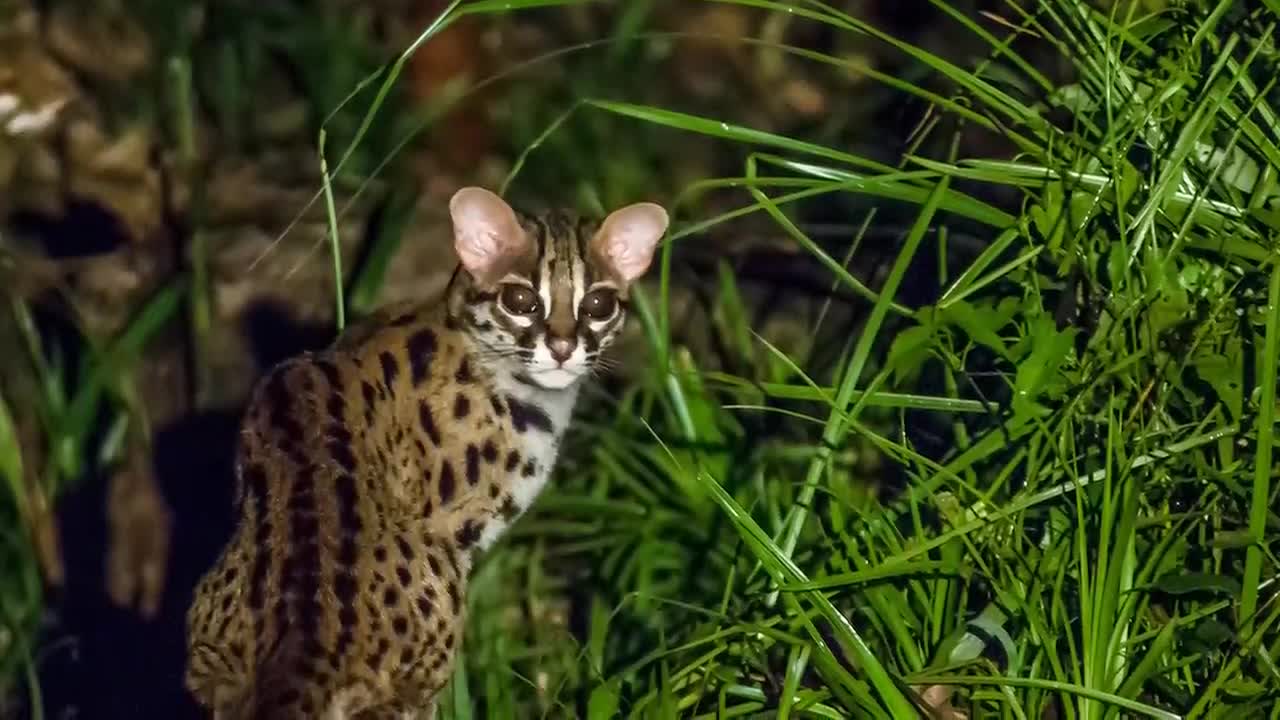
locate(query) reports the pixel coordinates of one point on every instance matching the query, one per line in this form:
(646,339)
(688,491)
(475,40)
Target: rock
(84,35)
(117,173)
(35,92)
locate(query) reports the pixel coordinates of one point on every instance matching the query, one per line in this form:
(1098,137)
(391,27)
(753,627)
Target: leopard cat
(370,474)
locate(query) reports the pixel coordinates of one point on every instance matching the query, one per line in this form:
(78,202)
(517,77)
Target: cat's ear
(628,237)
(486,234)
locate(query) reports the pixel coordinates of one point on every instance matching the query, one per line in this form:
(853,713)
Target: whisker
(604,361)
(602,366)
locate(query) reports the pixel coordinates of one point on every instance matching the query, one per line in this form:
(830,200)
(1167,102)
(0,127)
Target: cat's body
(369,474)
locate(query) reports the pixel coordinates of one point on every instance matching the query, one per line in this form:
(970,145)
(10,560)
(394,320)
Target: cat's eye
(519,300)
(600,304)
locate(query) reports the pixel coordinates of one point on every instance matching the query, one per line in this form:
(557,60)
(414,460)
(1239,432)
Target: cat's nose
(561,347)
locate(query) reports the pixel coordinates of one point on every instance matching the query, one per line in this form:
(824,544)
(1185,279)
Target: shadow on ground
(102,661)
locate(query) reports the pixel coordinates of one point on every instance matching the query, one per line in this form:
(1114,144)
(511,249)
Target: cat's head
(544,295)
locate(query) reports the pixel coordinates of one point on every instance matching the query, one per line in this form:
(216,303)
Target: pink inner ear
(629,237)
(486,234)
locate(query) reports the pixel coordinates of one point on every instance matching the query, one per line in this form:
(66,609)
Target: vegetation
(1031,477)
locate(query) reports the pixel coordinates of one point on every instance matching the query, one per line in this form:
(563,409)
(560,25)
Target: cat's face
(545,295)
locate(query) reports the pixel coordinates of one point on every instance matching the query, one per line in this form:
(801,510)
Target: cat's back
(327,447)
(315,401)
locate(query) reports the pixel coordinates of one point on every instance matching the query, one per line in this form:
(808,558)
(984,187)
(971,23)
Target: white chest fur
(537,445)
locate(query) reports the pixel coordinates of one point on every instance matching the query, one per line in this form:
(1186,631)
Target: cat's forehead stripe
(586,228)
(579,273)
(561,285)
(547,264)
(540,236)
(560,268)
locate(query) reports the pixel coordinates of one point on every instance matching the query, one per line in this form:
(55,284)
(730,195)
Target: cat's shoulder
(390,324)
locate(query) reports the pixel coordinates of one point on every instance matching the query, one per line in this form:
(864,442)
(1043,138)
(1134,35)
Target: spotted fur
(369,474)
